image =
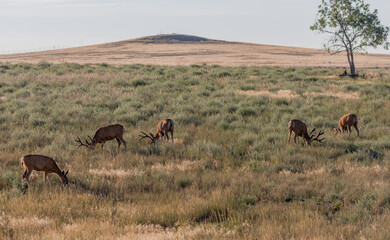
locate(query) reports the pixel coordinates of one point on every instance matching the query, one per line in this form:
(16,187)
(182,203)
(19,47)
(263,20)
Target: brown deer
(346,122)
(164,127)
(41,163)
(300,130)
(104,134)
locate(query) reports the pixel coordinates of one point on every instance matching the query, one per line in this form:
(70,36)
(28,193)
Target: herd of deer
(102,135)
(165,126)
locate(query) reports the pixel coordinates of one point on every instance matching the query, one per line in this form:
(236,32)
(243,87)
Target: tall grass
(230,173)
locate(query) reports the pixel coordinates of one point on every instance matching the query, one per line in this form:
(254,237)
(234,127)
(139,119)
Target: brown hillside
(175,49)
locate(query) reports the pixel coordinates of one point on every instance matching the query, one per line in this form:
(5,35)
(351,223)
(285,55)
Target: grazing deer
(41,163)
(163,128)
(104,134)
(346,122)
(300,130)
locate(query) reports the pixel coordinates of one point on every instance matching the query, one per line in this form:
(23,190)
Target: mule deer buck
(104,134)
(41,163)
(300,130)
(346,122)
(164,127)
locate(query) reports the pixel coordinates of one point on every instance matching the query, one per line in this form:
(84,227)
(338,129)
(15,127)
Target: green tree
(352,28)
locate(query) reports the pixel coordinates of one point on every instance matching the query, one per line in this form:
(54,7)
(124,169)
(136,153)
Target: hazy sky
(30,25)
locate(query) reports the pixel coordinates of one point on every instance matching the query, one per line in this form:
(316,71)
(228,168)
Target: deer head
(64,178)
(90,145)
(150,136)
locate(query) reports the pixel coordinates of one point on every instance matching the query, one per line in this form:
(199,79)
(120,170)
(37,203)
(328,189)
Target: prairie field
(230,173)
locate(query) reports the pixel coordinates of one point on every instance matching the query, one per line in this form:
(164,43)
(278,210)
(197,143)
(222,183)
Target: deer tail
(290,124)
(356,119)
(22,162)
(170,127)
(124,129)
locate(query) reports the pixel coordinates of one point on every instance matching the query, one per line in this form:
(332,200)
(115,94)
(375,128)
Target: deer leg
(289,136)
(167,137)
(24,175)
(123,141)
(102,145)
(295,138)
(357,130)
(45,177)
(171,135)
(119,142)
(349,129)
(27,177)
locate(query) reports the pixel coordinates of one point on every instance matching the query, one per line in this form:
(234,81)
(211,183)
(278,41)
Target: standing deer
(163,128)
(346,122)
(300,130)
(104,134)
(41,163)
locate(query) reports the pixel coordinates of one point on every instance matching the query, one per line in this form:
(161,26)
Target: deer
(104,134)
(164,127)
(300,130)
(43,164)
(346,122)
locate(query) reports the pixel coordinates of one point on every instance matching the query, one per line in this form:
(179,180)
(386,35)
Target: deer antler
(145,136)
(86,144)
(312,131)
(316,138)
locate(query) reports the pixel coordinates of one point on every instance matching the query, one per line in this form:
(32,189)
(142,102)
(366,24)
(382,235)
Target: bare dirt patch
(288,94)
(119,173)
(341,95)
(279,94)
(171,167)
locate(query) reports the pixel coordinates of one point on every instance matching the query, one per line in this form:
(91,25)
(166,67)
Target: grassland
(230,173)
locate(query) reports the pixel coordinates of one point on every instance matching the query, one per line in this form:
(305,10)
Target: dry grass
(25,222)
(230,173)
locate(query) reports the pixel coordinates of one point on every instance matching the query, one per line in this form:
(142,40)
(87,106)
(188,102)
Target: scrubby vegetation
(230,173)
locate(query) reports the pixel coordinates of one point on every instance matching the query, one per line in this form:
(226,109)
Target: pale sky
(32,25)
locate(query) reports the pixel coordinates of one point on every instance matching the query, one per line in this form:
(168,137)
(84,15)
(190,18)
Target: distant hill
(178,49)
(174,38)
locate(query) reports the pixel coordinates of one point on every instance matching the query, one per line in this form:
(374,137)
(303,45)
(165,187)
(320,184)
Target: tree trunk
(349,58)
(352,65)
